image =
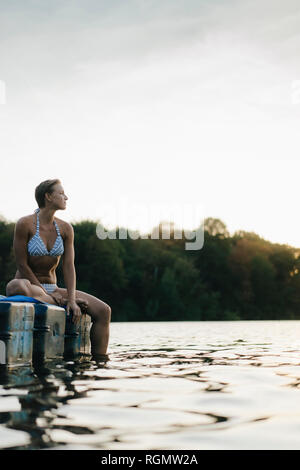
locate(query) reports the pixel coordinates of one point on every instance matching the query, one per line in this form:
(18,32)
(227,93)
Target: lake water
(167,385)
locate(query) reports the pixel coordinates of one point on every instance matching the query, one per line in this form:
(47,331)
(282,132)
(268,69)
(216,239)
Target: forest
(233,277)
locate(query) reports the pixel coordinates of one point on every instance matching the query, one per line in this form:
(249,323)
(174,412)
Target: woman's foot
(100,358)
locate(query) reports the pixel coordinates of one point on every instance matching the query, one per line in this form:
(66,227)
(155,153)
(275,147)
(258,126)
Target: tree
(215,227)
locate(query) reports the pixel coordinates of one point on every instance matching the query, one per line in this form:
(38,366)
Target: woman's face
(58,197)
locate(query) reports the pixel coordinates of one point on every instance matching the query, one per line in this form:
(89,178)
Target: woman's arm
(68,263)
(70,273)
(20,251)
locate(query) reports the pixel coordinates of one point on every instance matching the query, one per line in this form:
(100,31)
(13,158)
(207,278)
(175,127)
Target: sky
(156,105)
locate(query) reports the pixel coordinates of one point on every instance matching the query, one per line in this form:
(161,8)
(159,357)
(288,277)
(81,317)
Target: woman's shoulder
(62,222)
(25,220)
(25,224)
(64,227)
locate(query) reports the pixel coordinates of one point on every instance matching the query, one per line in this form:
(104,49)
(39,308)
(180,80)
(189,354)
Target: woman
(40,240)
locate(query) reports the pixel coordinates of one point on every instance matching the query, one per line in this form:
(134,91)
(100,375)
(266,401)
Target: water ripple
(193,385)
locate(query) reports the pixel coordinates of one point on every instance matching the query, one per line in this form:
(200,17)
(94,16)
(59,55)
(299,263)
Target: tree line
(238,277)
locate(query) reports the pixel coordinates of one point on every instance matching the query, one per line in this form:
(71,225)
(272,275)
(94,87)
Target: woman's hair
(42,189)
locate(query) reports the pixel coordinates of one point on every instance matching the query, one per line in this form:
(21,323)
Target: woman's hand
(72,305)
(57,297)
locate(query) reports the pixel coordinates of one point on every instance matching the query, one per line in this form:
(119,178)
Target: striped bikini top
(36,246)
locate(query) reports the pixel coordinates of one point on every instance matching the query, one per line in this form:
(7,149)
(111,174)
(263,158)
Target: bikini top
(36,246)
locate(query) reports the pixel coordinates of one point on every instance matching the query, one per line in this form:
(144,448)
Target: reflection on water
(166,385)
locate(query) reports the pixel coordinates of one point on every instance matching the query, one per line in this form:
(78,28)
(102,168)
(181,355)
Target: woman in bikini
(40,239)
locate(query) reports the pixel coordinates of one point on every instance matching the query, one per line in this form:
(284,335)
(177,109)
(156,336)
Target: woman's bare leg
(24,287)
(100,314)
(99,311)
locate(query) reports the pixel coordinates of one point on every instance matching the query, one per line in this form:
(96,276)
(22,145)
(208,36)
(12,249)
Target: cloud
(49,42)
(171,90)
